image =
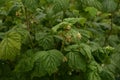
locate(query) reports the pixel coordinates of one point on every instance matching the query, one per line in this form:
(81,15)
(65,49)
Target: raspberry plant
(59,39)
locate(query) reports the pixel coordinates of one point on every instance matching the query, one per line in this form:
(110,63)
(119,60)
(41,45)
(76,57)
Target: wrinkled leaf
(10,46)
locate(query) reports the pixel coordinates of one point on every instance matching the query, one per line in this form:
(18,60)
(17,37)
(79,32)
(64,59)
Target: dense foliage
(59,39)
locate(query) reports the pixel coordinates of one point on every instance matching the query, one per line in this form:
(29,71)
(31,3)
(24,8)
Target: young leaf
(59,26)
(75,20)
(92,11)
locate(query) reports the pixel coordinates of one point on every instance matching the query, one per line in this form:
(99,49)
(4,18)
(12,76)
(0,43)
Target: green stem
(118,6)
(110,31)
(54,76)
(62,47)
(28,26)
(27,19)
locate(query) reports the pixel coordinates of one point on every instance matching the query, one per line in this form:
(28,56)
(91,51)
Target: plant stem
(27,19)
(110,31)
(28,26)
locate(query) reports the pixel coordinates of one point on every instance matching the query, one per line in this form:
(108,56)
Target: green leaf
(23,32)
(49,60)
(75,20)
(109,5)
(74,47)
(76,61)
(38,70)
(92,11)
(68,21)
(94,46)
(93,76)
(59,26)
(60,5)
(2,2)
(24,65)
(86,50)
(115,59)
(93,3)
(13,10)
(105,75)
(45,40)
(113,40)
(94,66)
(30,4)
(93,71)
(10,46)
(2,34)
